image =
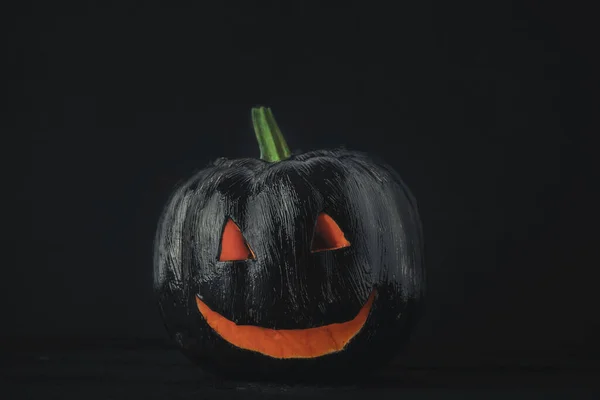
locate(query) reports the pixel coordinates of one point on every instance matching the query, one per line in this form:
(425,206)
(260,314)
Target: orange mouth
(287,343)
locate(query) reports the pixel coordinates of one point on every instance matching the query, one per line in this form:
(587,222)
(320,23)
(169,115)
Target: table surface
(118,372)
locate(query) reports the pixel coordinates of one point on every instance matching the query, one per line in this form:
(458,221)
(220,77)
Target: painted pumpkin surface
(291,264)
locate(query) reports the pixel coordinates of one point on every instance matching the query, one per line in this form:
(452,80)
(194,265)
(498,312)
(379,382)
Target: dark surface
(134,370)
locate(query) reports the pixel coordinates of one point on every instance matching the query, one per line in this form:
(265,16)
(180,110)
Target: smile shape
(287,343)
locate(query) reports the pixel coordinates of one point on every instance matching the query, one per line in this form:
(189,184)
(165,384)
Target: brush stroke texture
(286,286)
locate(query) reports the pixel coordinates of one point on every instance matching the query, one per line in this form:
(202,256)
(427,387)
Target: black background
(488,110)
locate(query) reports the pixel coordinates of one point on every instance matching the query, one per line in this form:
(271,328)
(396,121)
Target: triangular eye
(328,235)
(233,244)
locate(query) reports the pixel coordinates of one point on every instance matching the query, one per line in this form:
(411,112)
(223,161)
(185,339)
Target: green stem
(272,145)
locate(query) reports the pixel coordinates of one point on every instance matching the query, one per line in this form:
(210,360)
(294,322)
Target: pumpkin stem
(272,145)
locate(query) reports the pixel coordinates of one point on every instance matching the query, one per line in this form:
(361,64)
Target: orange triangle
(327,235)
(233,244)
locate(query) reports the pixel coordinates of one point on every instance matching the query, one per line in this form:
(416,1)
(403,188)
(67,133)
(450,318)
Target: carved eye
(327,235)
(233,244)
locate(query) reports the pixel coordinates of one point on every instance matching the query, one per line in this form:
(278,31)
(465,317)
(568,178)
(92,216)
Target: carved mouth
(288,343)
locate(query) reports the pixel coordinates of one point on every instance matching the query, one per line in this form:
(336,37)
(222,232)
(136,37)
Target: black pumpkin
(290,265)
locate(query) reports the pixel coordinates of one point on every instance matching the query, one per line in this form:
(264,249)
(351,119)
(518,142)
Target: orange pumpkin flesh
(287,343)
(328,235)
(233,244)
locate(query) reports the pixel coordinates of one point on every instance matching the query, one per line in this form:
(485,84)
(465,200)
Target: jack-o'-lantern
(291,264)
